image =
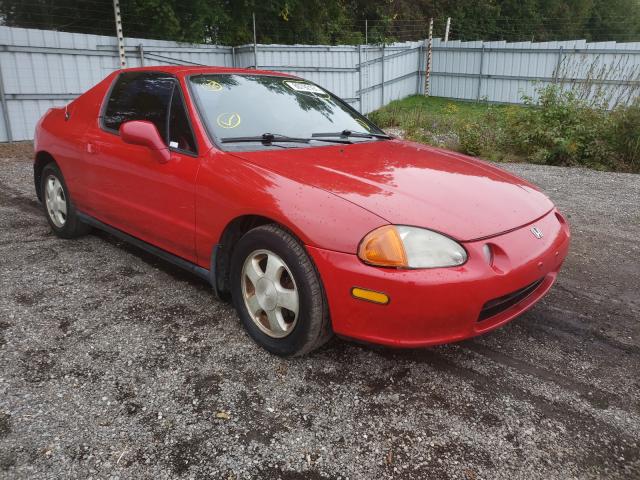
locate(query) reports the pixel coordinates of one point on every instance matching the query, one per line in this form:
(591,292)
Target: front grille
(498,305)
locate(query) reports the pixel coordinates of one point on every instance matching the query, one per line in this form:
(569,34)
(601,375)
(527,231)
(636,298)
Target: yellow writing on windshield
(212,86)
(228,120)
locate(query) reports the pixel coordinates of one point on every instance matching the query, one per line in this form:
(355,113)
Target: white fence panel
(40,69)
(397,77)
(344,70)
(504,72)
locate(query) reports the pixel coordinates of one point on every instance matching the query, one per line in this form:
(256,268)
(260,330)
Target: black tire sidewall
(310,305)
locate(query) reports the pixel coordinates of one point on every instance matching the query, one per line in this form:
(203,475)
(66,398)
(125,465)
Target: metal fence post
(5,112)
(480,74)
(233,57)
(427,73)
(360,77)
(120,35)
(382,84)
(419,72)
(255,44)
(558,63)
(141,52)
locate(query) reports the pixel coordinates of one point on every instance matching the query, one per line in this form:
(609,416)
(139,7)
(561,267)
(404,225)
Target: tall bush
(559,129)
(624,135)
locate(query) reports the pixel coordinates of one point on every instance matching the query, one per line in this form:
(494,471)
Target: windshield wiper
(264,138)
(268,138)
(349,133)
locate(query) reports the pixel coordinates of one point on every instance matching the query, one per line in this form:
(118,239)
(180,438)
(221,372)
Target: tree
(334,21)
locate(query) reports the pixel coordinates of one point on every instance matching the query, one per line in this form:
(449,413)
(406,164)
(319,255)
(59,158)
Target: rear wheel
(277,292)
(57,204)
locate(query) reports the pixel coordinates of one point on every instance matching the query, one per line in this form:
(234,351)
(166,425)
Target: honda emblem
(536,232)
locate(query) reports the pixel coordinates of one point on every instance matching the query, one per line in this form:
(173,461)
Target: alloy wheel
(56,201)
(270,293)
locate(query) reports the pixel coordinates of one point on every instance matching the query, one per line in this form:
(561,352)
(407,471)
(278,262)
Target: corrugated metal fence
(40,69)
(504,72)
(354,73)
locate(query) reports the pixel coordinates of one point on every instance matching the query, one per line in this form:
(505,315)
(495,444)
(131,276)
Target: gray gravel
(116,365)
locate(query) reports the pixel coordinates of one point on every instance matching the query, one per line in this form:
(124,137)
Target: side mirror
(142,132)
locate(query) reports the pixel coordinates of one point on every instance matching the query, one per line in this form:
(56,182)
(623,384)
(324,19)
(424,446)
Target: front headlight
(400,246)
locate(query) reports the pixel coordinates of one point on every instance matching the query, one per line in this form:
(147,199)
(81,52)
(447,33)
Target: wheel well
(232,233)
(42,159)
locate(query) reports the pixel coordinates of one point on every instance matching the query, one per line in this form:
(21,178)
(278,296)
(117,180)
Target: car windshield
(240,111)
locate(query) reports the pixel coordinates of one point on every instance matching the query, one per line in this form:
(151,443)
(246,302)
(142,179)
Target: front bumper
(443,305)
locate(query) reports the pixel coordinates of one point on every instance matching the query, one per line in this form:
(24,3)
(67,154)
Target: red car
(307,215)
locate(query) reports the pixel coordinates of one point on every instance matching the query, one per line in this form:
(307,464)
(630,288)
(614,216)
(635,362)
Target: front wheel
(278,293)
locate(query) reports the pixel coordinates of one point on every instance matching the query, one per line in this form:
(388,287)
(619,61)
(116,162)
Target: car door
(129,188)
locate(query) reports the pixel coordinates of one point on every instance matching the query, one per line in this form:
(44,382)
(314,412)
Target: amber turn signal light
(383,247)
(370,295)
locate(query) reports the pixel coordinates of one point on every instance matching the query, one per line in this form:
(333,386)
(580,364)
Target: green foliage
(560,128)
(624,134)
(468,127)
(475,139)
(334,21)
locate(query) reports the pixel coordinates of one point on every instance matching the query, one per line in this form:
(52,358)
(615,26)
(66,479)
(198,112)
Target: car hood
(413,184)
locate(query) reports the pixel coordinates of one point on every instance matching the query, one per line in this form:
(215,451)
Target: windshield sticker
(305,87)
(212,86)
(228,120)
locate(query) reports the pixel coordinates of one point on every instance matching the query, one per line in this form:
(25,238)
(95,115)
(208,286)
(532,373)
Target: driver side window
(155,97)
(139,96)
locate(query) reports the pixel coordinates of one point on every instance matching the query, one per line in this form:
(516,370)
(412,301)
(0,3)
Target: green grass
(401,111)
(446,123)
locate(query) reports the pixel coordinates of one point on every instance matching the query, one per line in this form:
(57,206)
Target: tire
(295,334)
(56,200)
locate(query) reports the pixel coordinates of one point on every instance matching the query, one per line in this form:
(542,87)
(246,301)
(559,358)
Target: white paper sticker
(305,87)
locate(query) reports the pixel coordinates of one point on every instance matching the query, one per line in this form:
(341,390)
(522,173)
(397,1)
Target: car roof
(203,69)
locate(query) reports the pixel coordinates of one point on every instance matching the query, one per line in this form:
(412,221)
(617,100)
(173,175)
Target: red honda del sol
(303,212)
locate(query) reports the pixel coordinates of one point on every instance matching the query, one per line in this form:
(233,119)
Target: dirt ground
(11,151)
(116,365)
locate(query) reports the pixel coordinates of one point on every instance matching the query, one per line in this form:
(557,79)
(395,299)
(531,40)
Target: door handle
(92,147)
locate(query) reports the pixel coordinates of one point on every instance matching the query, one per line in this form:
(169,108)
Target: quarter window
(180,134)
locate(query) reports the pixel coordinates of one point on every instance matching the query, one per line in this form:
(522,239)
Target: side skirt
(147,247)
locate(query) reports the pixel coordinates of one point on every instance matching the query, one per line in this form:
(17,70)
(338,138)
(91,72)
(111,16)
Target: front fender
(229,187)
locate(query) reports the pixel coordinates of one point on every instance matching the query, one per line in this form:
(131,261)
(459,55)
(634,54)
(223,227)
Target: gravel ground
(116,365)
